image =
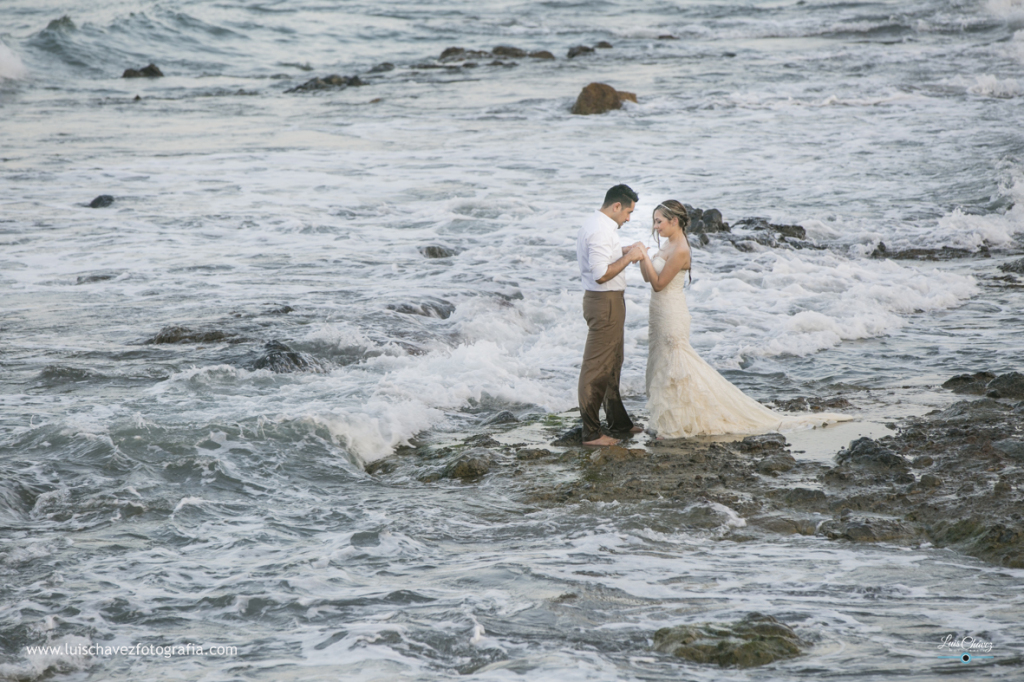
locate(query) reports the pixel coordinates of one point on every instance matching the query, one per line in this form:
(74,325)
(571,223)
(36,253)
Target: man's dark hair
(621,194)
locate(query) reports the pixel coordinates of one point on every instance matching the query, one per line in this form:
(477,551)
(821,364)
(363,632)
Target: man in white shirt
(602,261)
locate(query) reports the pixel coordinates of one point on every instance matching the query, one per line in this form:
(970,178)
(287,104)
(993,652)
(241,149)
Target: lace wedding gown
(688,397)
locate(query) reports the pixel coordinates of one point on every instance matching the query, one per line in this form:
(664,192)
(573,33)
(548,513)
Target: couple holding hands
(685,395)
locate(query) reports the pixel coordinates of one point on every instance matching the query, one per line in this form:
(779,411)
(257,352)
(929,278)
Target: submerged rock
(597,98)
(175,334)
(435,251)
(102,201)
(794,231)
(151,71)
(569,438)
(944,253)
(541,54)
(467,468)
(383,67)
(281,359)
(332,82)
(503,417)
(1016,266)
(431,307)
(756,640)
(578,50)
(507,51)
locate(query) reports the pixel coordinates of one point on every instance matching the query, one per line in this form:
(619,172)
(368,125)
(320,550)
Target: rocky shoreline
(952,478)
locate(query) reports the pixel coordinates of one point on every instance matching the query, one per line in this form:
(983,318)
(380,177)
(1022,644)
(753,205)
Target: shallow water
(172,493)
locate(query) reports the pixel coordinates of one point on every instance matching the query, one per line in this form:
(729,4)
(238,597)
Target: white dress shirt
(597,247)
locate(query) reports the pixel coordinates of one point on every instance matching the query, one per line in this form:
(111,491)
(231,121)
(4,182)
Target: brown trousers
(605,313)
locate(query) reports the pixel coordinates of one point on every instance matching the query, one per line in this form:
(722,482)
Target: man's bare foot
(636,429)
(602,442)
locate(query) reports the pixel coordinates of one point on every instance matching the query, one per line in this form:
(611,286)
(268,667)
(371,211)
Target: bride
(685,395)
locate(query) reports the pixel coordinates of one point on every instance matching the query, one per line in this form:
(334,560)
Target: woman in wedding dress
(685,395)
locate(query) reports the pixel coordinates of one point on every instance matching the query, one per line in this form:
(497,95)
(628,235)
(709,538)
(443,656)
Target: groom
(602,262)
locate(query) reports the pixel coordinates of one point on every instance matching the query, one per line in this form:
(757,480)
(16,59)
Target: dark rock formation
(794,231)
(279,358)
(541,54)
(597,98)
(467,468)
(453,54)
(383,67)
(429,307)
(1009,386)
(603,45)
(333,82)
(945,253)
(151,71)
(1016,266)
(578,50)
(507,51)
(969,384)
(867,453)
(705,221)
(813,404)
(175,334)
(102,277)
(503,417)
(569,438)
(756,640)
(435,251)
(102,201)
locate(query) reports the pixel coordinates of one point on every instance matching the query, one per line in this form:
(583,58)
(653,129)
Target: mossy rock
(756,640)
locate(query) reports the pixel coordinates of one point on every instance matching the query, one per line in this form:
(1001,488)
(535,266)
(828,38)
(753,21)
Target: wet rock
(541,54)
(467,468)
(90,279)
(980,536)
(1007,386)
(945,253)
(366,539)
(175,334)
(704,222)
(435,251)
(382,466)
(332,82)
(598,98)
(1011,447)
(930,481)
(151,71)
(430,307)
(530,454)
(569,438)
(1016,266)
(805,497)
(867,453)
(984,410)
(481,441)
(756,640)
(709,516)
(922,462)
(766,442)
(776,463)
(969,384)
(102,201)
(794,231)
(383,67)
(453,54)
(503,417)
(578,50)
(279,358)
(508,51)
(813,404)
(865,530)
(603,45)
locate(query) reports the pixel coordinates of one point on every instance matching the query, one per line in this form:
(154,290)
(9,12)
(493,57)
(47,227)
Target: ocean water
(166,494)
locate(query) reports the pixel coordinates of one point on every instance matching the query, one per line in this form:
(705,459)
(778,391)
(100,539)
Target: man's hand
(637,252)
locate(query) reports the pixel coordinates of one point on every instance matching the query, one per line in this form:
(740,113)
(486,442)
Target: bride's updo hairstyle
(673,209)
